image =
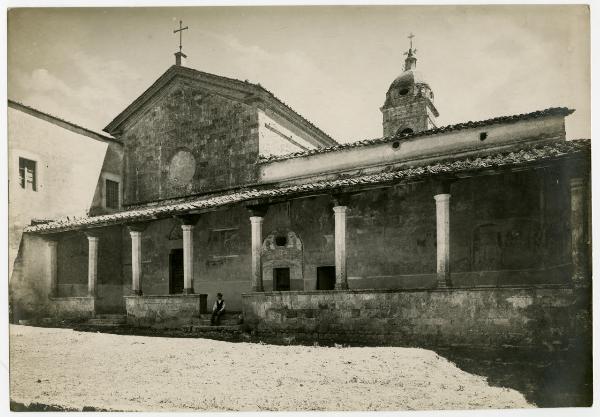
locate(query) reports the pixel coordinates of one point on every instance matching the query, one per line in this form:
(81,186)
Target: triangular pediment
(177,79)
(229,88)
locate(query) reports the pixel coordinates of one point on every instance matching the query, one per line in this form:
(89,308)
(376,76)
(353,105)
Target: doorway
(325,277)
(176,271)
(281,279)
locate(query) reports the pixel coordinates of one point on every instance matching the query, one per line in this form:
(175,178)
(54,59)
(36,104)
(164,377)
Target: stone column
(188,258)
(53,267)
(341,279)
(257,214)
(257,280)
(92,264)
(136,259)
(578,250)
(442,206)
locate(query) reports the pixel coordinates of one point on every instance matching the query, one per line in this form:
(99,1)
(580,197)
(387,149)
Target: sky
(333,65)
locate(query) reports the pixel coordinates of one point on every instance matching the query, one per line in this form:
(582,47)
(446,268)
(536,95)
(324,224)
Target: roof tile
(522,156)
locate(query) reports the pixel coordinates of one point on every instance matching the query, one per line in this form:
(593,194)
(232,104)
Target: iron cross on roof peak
(410,50)
(180,30)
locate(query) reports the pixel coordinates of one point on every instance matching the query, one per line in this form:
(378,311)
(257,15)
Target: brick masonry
(476,317)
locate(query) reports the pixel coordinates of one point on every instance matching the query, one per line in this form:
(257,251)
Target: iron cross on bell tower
(179,55)
(411,61)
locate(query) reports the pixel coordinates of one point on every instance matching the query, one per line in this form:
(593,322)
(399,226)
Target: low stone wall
(476,317)
(72,307)
(164,310)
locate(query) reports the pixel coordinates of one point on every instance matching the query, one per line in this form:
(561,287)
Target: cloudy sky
(331,64)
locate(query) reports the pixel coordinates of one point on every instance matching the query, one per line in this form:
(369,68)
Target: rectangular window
(27,174)
(112,194)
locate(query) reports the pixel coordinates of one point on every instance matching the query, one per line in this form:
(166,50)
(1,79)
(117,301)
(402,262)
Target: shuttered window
(112,194)
(27,174)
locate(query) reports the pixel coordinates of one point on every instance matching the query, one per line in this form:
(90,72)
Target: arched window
(405,131)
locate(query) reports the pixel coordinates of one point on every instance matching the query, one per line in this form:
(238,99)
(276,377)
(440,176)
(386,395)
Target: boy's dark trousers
(216,317)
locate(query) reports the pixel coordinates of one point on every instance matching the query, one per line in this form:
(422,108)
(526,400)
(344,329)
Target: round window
(182,167)
(403,91)
(281,240)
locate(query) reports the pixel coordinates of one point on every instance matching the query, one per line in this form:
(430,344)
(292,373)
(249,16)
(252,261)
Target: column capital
(443,185)
(187,227)
(442,197)
(256,219)
(258,210)
(340,209)
(576,182)
(92,235)
(137,227)
(136,233)
(187,219)
(341,199)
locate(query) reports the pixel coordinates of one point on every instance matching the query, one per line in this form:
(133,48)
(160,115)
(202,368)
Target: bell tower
(408,106)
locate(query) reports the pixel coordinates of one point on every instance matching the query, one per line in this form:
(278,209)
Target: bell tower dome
(408,106)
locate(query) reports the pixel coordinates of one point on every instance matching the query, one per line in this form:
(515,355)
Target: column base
(443,281)
(341,286)
(136,292)
(258,289)
(188,290)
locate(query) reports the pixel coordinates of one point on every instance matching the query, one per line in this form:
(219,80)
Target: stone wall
(412,114)
(475,317)
(72,307)
(164,310)
(221,255)
(189,141)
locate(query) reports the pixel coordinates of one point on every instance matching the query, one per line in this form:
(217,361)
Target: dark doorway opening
(176,271)
(325,277)
(281,279)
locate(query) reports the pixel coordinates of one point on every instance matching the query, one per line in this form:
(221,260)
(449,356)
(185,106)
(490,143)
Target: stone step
(106,322)
(111,316)
(206,321)
(227,315)
(209,328)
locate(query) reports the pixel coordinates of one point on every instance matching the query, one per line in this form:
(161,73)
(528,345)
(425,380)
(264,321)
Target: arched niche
(281,257)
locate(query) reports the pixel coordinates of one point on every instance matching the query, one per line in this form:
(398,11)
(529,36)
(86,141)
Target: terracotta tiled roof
(554,111)
(61,122)
(521,156)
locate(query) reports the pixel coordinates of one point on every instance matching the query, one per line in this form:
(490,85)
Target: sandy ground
(76,369)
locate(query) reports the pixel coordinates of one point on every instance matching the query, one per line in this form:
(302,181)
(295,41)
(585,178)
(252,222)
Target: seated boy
(218,310)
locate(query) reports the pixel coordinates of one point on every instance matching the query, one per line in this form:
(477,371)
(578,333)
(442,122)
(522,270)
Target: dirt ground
(70,369)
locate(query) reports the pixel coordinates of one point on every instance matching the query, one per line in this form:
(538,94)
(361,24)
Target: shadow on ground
(546,379)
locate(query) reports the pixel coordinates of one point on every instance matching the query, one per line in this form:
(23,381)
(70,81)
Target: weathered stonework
(190,141)
(164,310)
(475,317)
(283,249)
(72,307)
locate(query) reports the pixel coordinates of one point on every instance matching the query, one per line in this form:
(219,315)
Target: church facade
(476,233)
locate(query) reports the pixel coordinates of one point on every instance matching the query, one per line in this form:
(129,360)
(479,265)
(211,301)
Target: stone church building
(476,233)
